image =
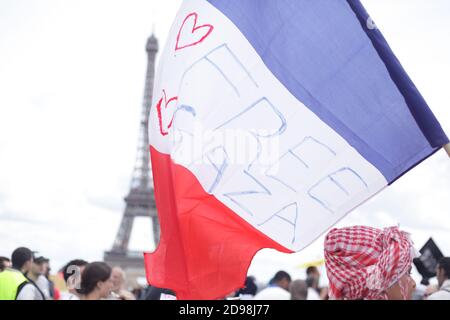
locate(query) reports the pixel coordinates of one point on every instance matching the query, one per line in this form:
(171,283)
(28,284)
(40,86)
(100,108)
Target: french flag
(271,120)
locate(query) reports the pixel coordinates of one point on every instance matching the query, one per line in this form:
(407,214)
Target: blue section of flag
(324,54)
(415,102)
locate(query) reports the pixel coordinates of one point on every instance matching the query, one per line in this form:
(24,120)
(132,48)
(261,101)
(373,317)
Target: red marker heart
(196,36)
(165,129)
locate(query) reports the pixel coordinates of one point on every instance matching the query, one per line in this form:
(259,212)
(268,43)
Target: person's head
(443,270)
(72,272)
(402,289)
(299,290)
(250,287)
(96,280)
(39,266)
(312,271)
(369,263)
(281,279)
(46,267)
(312,277)
(118,279)
(5,263)
(22,259)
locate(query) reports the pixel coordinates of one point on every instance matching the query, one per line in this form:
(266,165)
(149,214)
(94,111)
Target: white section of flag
(296,176)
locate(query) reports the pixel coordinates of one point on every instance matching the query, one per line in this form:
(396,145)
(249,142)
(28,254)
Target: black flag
(427,262)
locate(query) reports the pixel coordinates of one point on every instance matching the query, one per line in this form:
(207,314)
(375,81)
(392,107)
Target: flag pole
(447,148)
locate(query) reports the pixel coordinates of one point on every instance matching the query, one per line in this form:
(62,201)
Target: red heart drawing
(197,35)
(165,130)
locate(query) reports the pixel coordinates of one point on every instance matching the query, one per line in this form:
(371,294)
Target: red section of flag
(205,248)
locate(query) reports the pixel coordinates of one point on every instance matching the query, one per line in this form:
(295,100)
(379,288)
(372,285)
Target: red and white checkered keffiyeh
(362,262)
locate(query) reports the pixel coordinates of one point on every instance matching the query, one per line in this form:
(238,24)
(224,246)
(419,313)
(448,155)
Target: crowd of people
(26,277)
(282,287)
(362,263)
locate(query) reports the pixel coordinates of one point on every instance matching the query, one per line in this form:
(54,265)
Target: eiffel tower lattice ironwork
(140,201)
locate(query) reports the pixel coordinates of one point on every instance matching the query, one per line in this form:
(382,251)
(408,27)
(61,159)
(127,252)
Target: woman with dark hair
(96,281)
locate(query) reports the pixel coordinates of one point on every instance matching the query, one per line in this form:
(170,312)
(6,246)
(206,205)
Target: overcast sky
(71,87)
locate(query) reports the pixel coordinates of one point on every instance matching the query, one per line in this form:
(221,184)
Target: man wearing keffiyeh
(369,263)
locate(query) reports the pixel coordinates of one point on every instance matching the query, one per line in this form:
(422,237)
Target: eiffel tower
(140,201)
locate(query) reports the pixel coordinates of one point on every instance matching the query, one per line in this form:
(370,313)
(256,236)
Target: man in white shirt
(443,276)
(30,292)
(278,288)
(312,280)
(37,275)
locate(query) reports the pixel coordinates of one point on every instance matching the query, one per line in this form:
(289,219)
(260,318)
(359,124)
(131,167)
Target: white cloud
(72,77)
